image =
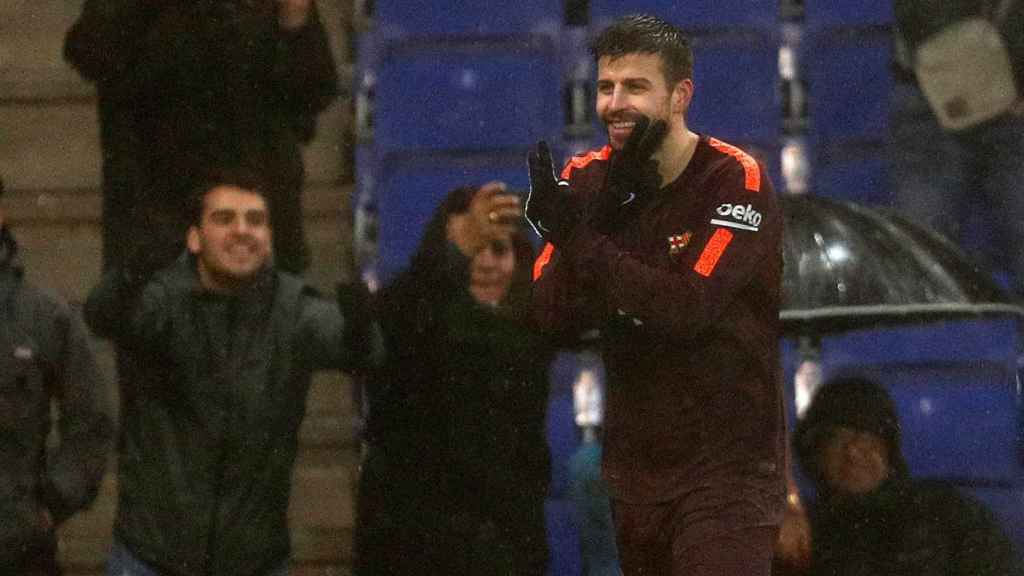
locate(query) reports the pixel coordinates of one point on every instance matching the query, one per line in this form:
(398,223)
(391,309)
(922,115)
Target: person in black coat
(457,467)
(185,86)
(870,517)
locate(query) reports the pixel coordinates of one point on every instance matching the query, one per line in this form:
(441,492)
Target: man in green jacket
(221,351)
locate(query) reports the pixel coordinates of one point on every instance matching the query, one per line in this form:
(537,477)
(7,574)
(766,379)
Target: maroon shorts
(697,534)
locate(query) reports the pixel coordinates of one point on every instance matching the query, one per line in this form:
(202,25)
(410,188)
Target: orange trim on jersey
(751,171)
(713,252)
(579,161)
(542,260)
(582,160)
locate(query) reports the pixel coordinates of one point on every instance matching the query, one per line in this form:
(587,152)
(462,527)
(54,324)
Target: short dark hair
(646,34)
(240,177)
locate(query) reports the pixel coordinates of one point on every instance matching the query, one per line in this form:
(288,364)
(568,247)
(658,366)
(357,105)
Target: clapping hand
(633,176)
(552,209)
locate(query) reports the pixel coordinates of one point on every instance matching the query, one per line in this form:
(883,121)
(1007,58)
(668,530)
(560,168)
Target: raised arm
(303,74)
(103,42)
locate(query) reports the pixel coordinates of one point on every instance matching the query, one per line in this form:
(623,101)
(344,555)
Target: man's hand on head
(493,214)
(551,208)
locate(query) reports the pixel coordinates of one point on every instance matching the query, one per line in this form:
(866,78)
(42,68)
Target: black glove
(551,208)
(633,177)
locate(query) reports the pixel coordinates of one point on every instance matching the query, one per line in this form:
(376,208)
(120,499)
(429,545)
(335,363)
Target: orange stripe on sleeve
(751,171)
(713,252)
(575,162)
(584,159)
(542,260)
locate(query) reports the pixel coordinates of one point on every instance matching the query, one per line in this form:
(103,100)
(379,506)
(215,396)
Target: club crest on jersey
(738,216)
(678,242)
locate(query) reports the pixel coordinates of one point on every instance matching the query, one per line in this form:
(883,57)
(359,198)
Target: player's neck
(675,154)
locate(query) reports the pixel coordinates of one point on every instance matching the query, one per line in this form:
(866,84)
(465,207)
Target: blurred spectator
(222,350)
(457,467)
(957,129)
(44,357)
(870,517)
(588,489)
(188,84)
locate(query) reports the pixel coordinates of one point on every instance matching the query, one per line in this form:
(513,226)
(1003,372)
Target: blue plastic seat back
(848,83)
(691,14)
(857,172)
(736,95)
(848,12)
(412,186)
(396,18)
(467,96)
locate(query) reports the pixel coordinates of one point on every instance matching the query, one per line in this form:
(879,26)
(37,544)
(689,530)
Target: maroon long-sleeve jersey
(687,296)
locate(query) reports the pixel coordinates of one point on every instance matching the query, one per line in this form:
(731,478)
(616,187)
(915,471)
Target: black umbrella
(849,267)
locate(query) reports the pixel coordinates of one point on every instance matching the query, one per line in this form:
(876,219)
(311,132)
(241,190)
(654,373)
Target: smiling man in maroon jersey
(669,243)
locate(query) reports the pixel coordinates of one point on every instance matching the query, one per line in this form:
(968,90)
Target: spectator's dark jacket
(197,83)
(44,356)
(905,527)
(458,466)
(908,528)
(212,401)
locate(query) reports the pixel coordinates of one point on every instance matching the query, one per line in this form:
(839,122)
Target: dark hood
(852,403)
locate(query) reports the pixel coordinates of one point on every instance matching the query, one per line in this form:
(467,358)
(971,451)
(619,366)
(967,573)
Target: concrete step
(54,146)
(31,47)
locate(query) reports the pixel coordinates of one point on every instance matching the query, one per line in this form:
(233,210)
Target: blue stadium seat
(467,95)
(848,83)
(848,12)
(857,172)
(397,18)
(691,14)
(412,186)
(736,93)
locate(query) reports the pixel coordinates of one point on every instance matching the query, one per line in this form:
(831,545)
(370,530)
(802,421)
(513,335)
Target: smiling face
(491,271)
(232,241)
(635,84)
